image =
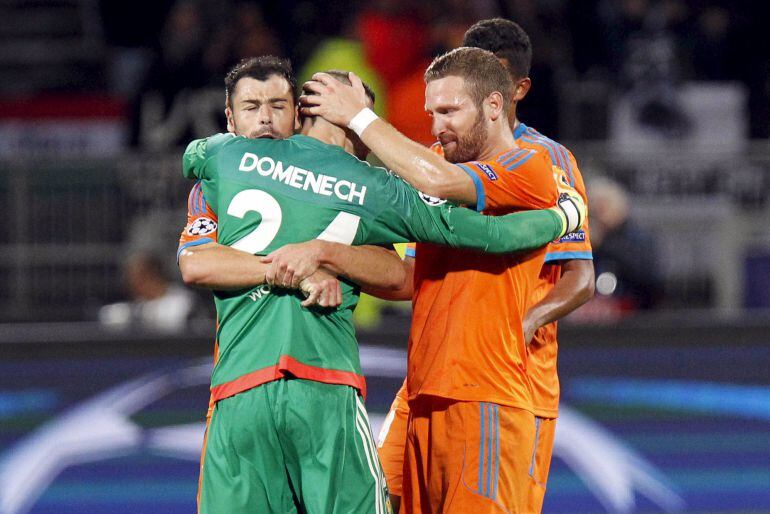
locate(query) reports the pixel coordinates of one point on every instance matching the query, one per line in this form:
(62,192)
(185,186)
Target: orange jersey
(542,351)
(466,340)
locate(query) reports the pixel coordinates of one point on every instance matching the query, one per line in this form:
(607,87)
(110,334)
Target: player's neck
(499,139)
(326,132)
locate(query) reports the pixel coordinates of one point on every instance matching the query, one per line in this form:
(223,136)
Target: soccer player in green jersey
(289,431)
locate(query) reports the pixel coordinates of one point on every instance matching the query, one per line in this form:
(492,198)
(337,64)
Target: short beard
(469,145)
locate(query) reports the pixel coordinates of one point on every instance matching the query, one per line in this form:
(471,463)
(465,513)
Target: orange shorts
(392,441)
(540,463)
(467,457)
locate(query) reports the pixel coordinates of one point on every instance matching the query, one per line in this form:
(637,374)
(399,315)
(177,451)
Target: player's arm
(205,263)
(408,217)
(219,267)
(404,292)
(378,270)
(574,288)
(418,165)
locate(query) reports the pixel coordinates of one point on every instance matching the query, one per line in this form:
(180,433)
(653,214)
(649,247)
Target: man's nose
(264,115)
(437,127)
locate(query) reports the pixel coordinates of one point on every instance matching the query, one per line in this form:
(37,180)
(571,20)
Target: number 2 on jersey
(342,229)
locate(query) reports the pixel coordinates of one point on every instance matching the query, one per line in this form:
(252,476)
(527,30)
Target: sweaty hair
(504,38)
(260,68)
(481,71)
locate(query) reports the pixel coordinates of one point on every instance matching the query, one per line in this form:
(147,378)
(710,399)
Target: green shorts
(292,446)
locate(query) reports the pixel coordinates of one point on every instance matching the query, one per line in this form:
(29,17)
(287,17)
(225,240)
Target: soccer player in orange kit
(566,281)
(471,429)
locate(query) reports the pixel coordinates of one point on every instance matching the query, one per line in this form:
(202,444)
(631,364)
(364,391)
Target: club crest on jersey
(487,169)
(431,200)
(202,226)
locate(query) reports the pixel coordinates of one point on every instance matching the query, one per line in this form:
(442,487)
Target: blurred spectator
(406,107)
(156,303)
(644,40)
(711,45)
(395,38)
(346,54)
(406,84)
(181,49)
(625,256)
(245,34)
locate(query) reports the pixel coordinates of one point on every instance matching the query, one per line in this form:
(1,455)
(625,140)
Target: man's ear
(297,124)
(521,89)
(230,123)
(494,105)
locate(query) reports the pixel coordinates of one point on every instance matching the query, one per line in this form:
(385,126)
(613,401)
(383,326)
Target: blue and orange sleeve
(201,227)
(576,245)
(519,179)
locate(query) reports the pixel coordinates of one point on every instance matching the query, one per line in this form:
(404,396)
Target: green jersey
(268,193)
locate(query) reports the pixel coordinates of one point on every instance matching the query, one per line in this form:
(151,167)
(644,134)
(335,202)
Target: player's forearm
(504,234)
(402,293)
(574,288)
(219,267)
(420,167)
(372,267)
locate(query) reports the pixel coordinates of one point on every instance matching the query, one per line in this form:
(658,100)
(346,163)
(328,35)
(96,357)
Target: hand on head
(336,102)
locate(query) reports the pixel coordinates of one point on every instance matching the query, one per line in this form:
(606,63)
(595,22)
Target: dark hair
(482,72)
(344,77)
(505,39)
(260,68)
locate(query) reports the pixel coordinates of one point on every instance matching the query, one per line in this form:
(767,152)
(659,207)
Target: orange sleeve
(201,224)
(520,179)
(576,245)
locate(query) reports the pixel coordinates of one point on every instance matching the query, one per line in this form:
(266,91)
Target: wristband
(363,119)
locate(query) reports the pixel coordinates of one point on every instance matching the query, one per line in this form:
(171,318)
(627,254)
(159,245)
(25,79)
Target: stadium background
(665,103)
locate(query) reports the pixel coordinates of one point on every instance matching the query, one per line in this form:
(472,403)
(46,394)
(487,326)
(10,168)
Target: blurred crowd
(159,66)
(171,73)
(644,46)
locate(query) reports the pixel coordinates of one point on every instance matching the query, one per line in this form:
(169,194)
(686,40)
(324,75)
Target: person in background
(625,255)
(156,303)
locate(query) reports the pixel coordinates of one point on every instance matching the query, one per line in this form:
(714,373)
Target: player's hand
(291,264)
(322,289)
(572,210)
(334,101)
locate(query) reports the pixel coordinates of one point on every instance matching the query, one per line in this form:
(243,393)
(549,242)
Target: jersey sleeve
(201,227)
(408,215)
(199,152)
(194,159)
(517,180)
(576,245)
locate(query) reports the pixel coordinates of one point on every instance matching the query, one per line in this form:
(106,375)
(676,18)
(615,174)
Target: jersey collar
(519,131)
